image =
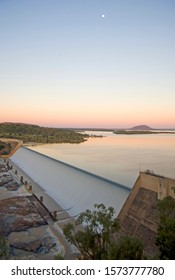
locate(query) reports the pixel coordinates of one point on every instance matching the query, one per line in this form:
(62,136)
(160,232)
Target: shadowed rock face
(18,214)
(24,221)
(7,181)
(2,168)
(38,246)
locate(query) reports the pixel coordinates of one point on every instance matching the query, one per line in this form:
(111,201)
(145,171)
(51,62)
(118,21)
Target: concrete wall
(70,187)
(161,185)
(139,214)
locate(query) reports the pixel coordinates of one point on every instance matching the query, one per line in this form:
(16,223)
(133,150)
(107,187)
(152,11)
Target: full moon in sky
(103,16)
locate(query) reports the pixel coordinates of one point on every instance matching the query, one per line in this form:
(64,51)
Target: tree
(165,239)
(3,248)
(93,231)
(126,248)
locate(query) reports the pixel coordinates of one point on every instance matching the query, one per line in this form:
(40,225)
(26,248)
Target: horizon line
(88,127)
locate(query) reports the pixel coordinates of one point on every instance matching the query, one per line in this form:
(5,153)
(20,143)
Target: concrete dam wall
(71,187)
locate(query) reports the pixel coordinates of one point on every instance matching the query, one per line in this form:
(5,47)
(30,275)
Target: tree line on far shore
(37,134)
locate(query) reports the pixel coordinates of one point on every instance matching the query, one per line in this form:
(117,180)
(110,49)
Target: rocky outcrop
(24,221)
(7,181)
(18,214)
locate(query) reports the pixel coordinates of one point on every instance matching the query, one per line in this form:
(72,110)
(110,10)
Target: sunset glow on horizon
(94,64)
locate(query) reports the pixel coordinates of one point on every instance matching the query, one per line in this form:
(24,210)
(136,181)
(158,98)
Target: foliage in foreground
(94,235)
(3,248)
(126,248)
(165,239)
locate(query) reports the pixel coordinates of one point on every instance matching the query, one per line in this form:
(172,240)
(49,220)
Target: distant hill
(141,127)
(37,134)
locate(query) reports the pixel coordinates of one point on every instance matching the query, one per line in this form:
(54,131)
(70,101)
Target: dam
(72,188)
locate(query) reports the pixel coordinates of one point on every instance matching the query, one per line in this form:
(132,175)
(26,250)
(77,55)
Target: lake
(118,157)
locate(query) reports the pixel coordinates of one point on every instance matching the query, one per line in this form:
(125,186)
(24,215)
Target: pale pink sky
(63,65)
(86,115)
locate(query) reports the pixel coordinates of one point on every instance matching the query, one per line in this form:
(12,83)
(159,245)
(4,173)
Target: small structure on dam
(139,214)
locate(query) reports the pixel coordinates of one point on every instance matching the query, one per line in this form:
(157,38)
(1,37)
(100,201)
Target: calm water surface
(118,157)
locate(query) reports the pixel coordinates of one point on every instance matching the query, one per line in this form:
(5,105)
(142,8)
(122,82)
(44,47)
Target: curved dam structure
(71,187)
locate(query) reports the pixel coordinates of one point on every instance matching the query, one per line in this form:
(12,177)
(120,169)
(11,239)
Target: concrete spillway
(69,186)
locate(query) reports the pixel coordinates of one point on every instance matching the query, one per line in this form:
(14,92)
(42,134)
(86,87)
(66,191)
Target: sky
(88,63)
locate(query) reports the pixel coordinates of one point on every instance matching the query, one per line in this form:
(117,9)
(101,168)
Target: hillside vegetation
(37,134)
(130,132)
(5,148)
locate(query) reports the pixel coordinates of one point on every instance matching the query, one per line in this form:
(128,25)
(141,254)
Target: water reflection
(118,157)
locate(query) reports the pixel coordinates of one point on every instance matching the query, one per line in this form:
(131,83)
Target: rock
(22,216)
(31,246)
